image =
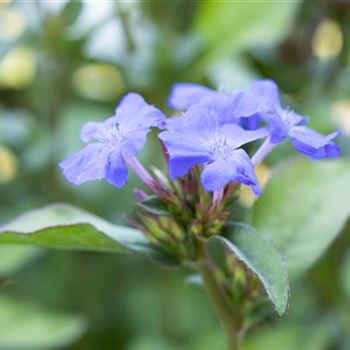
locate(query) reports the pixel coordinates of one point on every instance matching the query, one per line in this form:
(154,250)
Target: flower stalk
(141,172)
(262,152)
(229,321)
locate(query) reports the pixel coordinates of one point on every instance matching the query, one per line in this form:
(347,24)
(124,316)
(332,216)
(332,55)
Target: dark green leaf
(154,206)
(261,258)
(66,227)
(71,11)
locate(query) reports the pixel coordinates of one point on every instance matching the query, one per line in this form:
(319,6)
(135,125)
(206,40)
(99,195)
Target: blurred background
(63,63)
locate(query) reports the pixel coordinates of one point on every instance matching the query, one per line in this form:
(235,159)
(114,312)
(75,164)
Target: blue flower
(113,143)
(234,106)
(184,95)
(203,136)
(263,96)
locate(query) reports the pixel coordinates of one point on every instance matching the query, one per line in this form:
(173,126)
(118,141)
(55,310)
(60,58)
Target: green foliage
(13,258)
(154,206)
(66,227)
(225,44)
(232,25)
(25,326)
(260,256)
(304,207)
(288,337)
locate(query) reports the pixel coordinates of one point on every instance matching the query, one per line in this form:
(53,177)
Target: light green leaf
(66,227)
(303,209)
(261,258)
(288,336)
(25,326)
(13,258)
(225,26)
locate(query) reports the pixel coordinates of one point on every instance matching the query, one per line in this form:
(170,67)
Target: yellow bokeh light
(327,41)
(98,81)
(246,195)
(340,113)
(17,68)
(12,23)
(4,3)
(8,164)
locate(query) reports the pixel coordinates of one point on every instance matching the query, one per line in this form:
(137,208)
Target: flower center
(112,136)
(221,149)
(288,118)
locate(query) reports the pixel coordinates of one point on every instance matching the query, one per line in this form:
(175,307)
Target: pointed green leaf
(66,227)
(262,258)
(303,209)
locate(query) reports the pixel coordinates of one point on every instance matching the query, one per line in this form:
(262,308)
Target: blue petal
(261,98)
(133,113)
(90,131)
(179,166)
(250,123)
(185,151)
(116,169)
(86,165)
(134,142)
(237,168)
(314,144)
(184,95)
(237,136)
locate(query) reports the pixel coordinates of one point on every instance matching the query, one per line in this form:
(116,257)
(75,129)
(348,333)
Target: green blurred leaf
(71,11)
(289,337)
(345,275)
(25,326)
(304,207)
(154,206)
(13,258)
(225,26)
(263,259)
(66,227)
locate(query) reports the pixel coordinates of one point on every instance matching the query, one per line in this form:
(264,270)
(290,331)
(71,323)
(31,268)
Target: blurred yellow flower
(17,68)
(327,41)
(340,113)
(4,3)
(98,81)
(12,23)
(246,195)
(8,164)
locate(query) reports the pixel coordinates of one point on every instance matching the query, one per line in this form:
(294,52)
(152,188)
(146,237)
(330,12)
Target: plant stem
(219,301)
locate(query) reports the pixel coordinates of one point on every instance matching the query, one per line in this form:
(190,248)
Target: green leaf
(26,326)
(71,11)
(154,206)
(13,258)
(225,26)
(288,336)
(345,275)
(261,258)
(66,227)
(304,207)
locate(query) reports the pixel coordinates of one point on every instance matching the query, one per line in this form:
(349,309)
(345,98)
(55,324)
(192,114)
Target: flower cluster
(203,147)
(210,133)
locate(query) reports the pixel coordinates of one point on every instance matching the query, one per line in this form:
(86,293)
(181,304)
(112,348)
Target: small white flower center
(221,149)
(112,136)
(289,118)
